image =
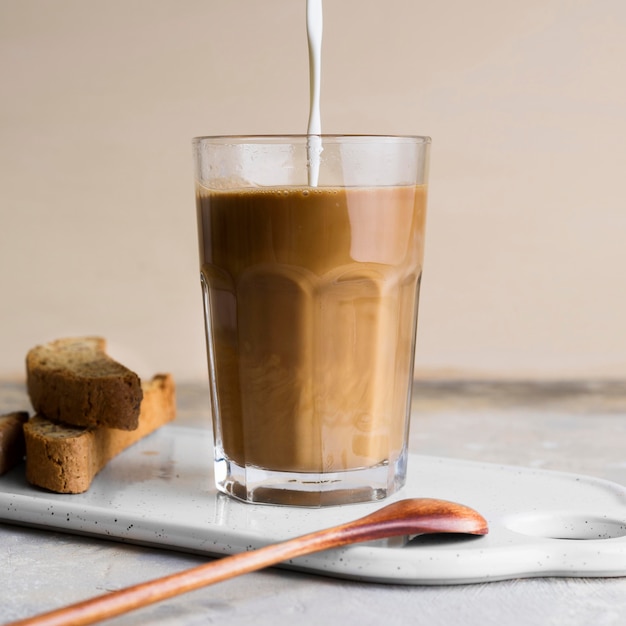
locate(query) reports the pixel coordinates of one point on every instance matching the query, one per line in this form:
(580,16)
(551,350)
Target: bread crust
(65,459)
(12,447)
(73,381)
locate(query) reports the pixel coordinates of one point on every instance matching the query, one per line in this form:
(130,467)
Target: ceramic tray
(160,492)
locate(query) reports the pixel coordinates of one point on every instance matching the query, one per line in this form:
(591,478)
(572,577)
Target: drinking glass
(310,265)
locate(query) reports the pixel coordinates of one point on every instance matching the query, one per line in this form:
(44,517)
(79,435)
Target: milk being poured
(314,131)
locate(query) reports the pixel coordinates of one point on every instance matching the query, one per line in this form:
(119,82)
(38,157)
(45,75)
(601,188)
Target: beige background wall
(525,101)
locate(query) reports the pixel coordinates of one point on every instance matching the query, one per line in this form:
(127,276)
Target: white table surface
(572,427)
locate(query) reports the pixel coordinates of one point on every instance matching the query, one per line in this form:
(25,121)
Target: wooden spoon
(405,517)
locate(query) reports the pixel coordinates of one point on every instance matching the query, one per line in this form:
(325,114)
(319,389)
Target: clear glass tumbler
(310,291)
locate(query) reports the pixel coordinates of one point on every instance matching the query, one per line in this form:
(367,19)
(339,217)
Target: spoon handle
(413,516)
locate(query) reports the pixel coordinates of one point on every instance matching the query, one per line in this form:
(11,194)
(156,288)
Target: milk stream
(314,131)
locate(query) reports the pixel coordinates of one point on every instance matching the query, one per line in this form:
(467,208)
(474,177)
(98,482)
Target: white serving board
(160,492)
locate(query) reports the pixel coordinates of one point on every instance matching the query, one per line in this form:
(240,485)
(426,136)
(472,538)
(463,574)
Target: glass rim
(301,137)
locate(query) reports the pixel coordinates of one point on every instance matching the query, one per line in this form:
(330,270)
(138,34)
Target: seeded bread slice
(74,381)
(11,439)
(65,459)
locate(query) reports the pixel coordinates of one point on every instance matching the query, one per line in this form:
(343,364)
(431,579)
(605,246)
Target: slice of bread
(65,459)
(74,381)
(11,439)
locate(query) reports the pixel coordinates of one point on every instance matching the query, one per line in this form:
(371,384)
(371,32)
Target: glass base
(261,486)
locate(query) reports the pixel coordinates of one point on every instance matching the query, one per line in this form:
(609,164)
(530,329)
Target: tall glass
(310,291)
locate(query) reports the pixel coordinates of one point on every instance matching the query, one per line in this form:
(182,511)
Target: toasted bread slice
(11,439)
(65,459)
(73,381)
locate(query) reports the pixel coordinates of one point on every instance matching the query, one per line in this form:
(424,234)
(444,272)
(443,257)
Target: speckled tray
(160,492)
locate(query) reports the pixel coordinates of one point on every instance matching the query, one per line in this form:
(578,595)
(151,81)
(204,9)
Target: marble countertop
(572,426)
